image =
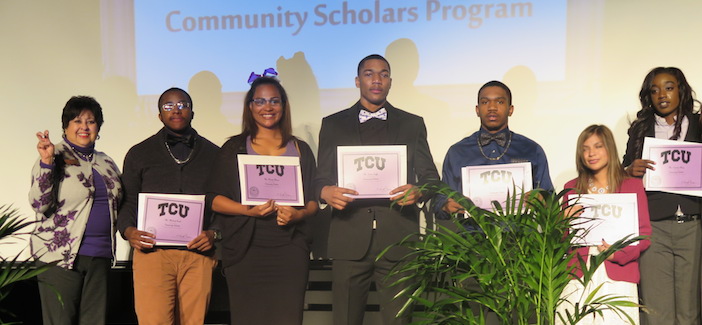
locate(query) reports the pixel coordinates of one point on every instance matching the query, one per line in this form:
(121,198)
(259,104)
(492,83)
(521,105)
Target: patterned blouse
(58,235)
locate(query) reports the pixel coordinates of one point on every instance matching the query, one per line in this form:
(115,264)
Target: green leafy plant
(12,269)
(513,262)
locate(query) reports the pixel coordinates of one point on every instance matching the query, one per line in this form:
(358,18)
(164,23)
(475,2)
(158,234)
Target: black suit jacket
(662,205)
(351,228)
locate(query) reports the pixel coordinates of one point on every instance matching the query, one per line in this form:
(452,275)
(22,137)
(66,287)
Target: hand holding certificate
(678,166)
(174,219)
(407,194)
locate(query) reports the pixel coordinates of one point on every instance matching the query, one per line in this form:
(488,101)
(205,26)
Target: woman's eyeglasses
(275,101)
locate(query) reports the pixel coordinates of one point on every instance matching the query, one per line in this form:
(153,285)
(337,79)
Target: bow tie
(173,140)
(499,138)
(365,115)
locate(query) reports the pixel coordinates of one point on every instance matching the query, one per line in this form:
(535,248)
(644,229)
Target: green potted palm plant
(515,265)
(13,269)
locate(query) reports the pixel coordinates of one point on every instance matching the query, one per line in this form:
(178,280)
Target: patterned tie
(499,138)
(365,115)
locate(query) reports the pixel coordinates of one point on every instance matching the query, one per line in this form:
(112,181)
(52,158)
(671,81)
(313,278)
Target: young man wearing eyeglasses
(170,282)
(362,228)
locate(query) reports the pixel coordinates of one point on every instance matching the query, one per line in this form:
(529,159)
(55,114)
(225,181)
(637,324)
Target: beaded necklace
(88,157)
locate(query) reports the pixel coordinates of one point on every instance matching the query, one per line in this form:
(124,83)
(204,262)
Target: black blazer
(662,205)
(351,228)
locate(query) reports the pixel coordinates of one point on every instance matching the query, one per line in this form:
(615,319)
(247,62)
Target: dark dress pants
(83,291)
(351,282)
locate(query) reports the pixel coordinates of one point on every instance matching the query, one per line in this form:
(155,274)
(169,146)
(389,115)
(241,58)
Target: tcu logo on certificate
(173,209)
(676,155)
(270,170)
(497,176)
(369,162)
(606,211)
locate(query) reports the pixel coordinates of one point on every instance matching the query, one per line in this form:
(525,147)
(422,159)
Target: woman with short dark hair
(76,191)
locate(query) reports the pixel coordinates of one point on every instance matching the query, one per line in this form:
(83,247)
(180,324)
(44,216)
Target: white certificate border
(244,159)
(525,166)
(141,212)
(399,150)
(651,143)
(587,200)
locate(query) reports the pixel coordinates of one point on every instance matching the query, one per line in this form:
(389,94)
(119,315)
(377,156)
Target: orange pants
(172,286)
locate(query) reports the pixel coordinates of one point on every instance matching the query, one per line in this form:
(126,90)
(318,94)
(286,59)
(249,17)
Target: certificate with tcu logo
(175,219)
(486,183)
(605,216)
(276,178)
(678,167)
(372,171)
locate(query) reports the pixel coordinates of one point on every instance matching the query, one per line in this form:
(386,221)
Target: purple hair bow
(270,72)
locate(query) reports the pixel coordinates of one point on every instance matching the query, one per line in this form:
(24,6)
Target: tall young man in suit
(361,228)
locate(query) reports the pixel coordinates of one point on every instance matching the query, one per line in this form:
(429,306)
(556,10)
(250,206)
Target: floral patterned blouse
(58,235)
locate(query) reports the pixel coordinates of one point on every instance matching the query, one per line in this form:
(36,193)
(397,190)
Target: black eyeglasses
(170,106)
(275,101)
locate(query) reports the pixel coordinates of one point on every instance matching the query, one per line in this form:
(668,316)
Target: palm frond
(12,269)
(512,261)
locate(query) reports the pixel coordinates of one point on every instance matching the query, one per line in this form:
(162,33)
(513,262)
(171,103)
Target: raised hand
(45,147)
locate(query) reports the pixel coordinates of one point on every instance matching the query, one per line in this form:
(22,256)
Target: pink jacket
(625,265)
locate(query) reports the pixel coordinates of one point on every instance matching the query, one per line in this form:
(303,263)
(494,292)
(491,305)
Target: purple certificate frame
(277,178)
(678,165)
(372,171)
(175,219)
(677,169)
